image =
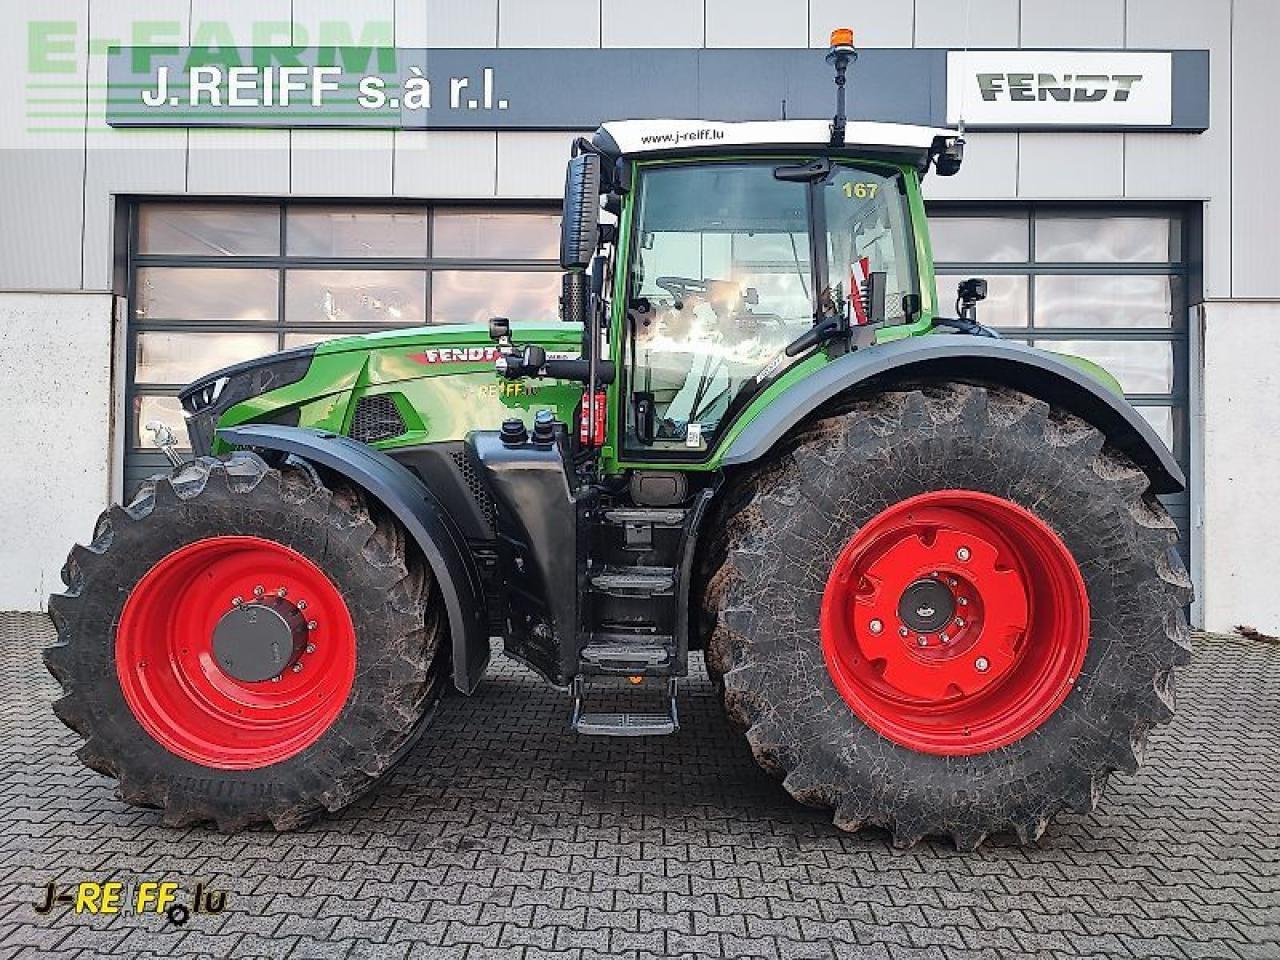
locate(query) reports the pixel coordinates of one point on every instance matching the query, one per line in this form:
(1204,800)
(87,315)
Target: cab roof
(654,138)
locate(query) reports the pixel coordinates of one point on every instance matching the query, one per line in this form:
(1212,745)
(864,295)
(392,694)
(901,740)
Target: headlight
(205,400)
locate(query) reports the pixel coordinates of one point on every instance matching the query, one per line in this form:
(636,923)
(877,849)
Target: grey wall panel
(155,161)
(656,23)
(874,25)
(757,23)
(989,172)
(341,162)
(992,23)
(532,164)
(212,20)
(1255,140)
(549,23)
(41,210)
(341,22)
(1070,166)
(1078,23)
(446,23)
(1176,166)
(445,163)
(250,162)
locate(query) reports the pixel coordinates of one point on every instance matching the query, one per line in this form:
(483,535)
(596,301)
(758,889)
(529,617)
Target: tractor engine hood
(205,400)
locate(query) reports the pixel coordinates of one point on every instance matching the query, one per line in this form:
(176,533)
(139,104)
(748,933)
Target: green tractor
(926,567)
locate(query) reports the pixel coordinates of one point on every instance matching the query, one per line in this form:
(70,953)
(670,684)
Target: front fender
(396,488)
(1038,373)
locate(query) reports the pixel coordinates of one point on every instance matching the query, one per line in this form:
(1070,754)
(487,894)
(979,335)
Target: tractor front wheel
(243,644)
(952,610)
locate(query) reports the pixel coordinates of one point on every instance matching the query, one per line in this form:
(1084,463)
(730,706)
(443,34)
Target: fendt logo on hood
(1080,88)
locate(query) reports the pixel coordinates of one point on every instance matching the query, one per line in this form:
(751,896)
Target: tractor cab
(735,256)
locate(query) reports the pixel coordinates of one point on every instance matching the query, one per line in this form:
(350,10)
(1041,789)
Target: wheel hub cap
(954,622)
(260,640)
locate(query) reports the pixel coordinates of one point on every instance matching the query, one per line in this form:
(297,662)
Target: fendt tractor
(926,566)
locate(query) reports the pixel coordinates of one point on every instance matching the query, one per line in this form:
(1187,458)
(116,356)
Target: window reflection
(205,293)
(357,232)
(1106,240)
(979,239)
(1105,301)
(375,297)
(182,357)
(486,235)
(473,296)
(203,230)
(1162,420)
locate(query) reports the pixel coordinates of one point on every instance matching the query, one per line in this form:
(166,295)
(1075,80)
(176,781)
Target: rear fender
(396,488)
(1038,373)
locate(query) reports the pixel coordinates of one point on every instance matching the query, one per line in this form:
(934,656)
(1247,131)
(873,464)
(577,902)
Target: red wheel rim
(954,622)
(178,690)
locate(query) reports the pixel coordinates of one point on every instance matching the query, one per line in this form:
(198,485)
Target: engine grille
(476,486)
(376,418)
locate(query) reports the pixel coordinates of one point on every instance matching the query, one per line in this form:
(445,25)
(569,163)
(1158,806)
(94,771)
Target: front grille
(376,418)
(475,486)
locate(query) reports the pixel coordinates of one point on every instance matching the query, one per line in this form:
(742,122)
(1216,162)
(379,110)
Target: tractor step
(658,516)
(627,654)
(624,724)
(635,581)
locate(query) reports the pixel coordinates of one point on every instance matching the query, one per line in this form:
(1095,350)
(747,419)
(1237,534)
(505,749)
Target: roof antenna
(841,54)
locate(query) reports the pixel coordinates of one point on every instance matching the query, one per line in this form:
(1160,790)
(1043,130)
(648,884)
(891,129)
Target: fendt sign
(1025,89)
(576,89)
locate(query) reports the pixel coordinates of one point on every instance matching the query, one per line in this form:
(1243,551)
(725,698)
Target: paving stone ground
(503,835)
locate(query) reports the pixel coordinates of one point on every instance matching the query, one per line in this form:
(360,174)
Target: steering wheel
(681,287)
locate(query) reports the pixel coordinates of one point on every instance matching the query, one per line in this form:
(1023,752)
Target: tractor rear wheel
(243,644)
(950,610)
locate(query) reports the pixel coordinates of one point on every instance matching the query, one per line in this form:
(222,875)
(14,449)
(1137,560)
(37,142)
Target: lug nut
(923,641)
(281,592)
(259,590)
(275,679)
(903,631)
(982,664)
(311,648)
(962,601)
(297,668)
(962,554)
(876,626)
(236,601)
(945,638)
(959,621)
(302,604)
(311,624)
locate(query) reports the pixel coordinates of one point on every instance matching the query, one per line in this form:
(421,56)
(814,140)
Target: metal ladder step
(624,724)
(635,581)
(627,654)
(658,516)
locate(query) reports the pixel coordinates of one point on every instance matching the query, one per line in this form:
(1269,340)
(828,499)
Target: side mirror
(580,225)
(500,330)
(948,156)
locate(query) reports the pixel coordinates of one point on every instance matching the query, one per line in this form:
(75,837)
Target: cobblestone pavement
(503,835)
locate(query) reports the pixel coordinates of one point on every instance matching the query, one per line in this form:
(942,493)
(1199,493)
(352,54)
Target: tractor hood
(315,385)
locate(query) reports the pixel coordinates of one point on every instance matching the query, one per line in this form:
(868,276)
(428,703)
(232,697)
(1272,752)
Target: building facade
(136,256)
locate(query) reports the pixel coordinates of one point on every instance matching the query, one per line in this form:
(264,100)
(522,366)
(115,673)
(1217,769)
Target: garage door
(214,284)
(1110,285)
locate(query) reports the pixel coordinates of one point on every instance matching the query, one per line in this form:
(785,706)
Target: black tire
(783,527)
(357,544)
